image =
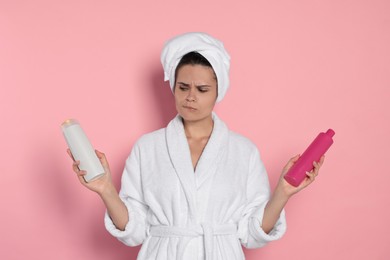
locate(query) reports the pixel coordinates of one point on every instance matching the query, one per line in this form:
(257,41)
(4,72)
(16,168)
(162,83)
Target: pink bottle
(316,149)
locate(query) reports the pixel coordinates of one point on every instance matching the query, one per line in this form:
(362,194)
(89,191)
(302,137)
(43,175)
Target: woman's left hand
(289,190)
(284,191)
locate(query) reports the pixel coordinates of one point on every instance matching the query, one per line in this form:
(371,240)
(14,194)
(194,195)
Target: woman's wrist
(273,209)
(280,194)
(108,191)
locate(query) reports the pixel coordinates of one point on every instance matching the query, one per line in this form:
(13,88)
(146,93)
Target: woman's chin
(193,116)
(189,118)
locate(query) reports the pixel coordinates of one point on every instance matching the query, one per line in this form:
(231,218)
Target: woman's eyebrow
(198,86)
(184,84)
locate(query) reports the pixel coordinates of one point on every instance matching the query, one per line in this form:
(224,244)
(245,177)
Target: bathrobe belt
(205,230)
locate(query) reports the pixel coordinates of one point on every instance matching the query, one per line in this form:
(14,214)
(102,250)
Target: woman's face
(195,92)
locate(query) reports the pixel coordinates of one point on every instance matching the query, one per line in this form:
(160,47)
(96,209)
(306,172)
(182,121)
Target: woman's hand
(99,185)
(284,191)
(287,189)
(107,191)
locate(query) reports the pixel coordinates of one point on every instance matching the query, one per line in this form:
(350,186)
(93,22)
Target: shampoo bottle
(317,148)
(82,150)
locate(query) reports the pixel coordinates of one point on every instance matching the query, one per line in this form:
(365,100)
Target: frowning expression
(195,92)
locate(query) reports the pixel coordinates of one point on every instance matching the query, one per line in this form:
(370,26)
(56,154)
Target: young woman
(195,189)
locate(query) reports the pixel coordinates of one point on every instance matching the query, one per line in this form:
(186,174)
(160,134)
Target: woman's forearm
(273,209)
(284,191)
(115,207)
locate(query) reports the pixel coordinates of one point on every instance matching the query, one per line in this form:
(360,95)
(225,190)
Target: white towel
(206,45)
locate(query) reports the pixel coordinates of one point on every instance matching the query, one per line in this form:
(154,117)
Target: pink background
(298,68)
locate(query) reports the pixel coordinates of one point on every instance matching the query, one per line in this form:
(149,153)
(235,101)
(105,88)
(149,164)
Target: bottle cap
(69,122)
(330,132)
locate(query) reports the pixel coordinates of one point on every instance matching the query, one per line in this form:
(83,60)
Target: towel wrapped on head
(204,44)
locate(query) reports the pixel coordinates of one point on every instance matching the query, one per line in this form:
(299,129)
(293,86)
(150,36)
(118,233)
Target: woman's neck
(199,129)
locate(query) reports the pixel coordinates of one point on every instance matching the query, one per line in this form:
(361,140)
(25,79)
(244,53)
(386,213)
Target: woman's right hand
(105,188)
(99,185)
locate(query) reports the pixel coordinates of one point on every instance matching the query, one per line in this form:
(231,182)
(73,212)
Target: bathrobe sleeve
(250,233)
(131,194)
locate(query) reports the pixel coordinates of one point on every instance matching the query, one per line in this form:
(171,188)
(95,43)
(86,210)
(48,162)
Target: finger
(315,165)
(311,176)
(70,154)
(292,161)
(75,166)
(77,170)
(289,164)
(306,182)
(81,178)
(99,154)
(316,168)
(295,158)
(102,158)
(81,173)
(322,160)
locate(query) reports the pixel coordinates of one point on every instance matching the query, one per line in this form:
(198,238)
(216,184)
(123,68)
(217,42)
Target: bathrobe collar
(180,155)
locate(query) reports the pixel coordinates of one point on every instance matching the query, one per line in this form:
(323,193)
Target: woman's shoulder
(239,140)
(151,137)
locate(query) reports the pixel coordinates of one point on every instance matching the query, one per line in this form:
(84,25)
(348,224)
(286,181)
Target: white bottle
(82,150)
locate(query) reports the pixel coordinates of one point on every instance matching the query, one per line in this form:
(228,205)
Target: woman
(195,189)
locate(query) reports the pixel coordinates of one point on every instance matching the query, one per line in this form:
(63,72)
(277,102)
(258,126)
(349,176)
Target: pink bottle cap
(330,132)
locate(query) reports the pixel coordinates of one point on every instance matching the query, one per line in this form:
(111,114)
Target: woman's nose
(191,95)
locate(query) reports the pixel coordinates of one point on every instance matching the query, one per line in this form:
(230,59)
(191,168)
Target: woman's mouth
(189,108)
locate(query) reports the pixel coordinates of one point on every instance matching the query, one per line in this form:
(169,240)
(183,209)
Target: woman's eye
(203,90)
(183,88)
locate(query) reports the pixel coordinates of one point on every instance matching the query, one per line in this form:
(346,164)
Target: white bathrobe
(178,213)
